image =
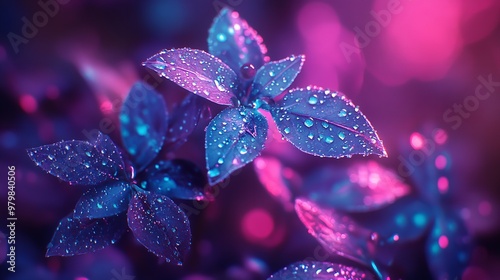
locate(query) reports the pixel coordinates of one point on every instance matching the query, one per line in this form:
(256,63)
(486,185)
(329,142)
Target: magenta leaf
(103,201)
(79,236)
(309,270)
(361,187)
(325,123)
(176,179)
(276,76)
(143,120)
(160,225)
(80,162)
(234,138)
(197,71)
(231,39)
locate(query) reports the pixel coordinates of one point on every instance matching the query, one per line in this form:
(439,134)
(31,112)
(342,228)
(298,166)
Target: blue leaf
(143,120)
(175,178)
(234,138)
(360,187)
(104,201)
(231,39)
(184,120)
(448,247)
(325,123)
(276,76)
(80,162)
(74,236)
(197,71)
(160,225)
(314,270)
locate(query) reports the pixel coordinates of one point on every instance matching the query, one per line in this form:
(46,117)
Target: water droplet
(51,157)
(271,73)
(220,161)
(313,99)
(310,136)
(324,124)
(221,37)
(287,130)
(213,172)
(342,113)
(308,122)
(99,205)
(88,154)
(341,135)
(329,140)
(243,151)
(142,129)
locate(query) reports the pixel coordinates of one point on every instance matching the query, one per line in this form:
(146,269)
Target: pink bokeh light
(257,224)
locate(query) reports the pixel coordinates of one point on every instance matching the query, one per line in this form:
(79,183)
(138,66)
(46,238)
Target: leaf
(160,225)
(279,181)
(306,270)
(231,39)
(104,201)
(448,247)
(337,233)
(74,236)
(143,120)
(175,178)
(197,71)
(325,123)
(361,187)
(276,76)
(80,162)
(184,120)
(234,138)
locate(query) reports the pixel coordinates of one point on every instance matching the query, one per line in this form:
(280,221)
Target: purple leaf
(359,188)
(276,76)
(74,236)
(231,39)
(175,178)
(448,247)
(184,120)
(160,225)
(143,120)
(197,71)
(234,138)
(321,271)
(336,232)
(80,162)
(103,201)
(325,123)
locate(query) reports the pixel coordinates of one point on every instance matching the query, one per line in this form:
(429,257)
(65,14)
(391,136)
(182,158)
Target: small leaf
(80,162)
(276,76)
(361,187)
(321,270)
(448,247)
(234,138)
(231,39)
(160,225)
(197,71)
(325,123)
(184,120)
(74,236)
(336,232)
(103,201)
(175,178)
(143,120)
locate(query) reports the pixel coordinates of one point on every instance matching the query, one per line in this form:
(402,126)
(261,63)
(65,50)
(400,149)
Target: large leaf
(160,225)
(274,77)
(321,271)
(80,162)
(336,232)
(104,201)
(143,120)
(361,187)
(231,39)
(448,247)
(80,236)
(197,71)
(325,123)
(234,138)
(183,120)
(175,178)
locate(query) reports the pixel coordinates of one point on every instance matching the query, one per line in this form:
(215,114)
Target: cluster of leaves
(367,213)
(135,189)
(237,73)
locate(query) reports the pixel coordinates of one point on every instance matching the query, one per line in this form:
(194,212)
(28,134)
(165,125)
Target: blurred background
(411,66)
